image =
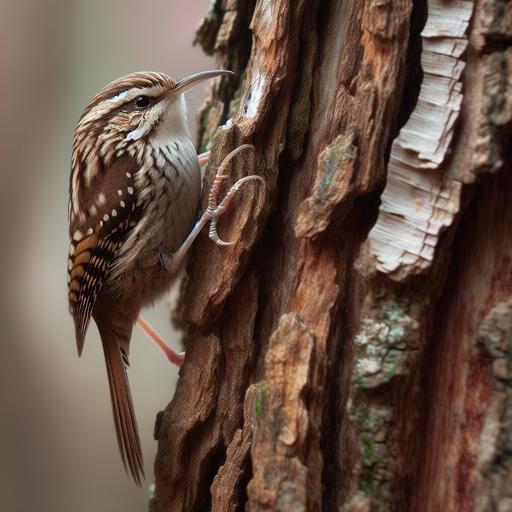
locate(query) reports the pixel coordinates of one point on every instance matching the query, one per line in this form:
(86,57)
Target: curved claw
(219,210)
(214,236)
(221,175)
(234,189)
(235,152)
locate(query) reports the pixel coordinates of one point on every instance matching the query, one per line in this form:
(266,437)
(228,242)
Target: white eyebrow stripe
(123,97)
(132,93)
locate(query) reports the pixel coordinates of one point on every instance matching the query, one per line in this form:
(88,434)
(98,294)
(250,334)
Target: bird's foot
(214,211)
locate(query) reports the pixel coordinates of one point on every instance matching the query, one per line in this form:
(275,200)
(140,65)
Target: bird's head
(134,108)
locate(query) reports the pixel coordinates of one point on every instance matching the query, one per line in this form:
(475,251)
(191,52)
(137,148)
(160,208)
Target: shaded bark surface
(315,377)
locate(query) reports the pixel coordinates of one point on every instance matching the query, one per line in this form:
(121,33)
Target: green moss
(387,335)
(372,422)
(369,487)
(369,480)
(361,416)
(340,150)
(367,447)
(369,477)
(260,397)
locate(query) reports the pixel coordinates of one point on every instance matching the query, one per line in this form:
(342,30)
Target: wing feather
(108,212)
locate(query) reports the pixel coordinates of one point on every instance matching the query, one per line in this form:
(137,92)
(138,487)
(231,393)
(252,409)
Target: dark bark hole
(216,460)
(413,71)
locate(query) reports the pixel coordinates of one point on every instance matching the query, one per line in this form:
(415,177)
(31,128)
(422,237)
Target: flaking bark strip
(281,421)
(419,201)
(335,169)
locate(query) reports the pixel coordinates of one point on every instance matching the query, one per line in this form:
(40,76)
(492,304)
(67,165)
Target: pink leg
(173,356)
(203,158)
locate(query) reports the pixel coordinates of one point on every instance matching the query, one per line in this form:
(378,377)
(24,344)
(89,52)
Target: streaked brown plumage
(134,193)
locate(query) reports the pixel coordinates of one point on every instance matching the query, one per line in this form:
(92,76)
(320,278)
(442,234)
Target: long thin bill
(192,80)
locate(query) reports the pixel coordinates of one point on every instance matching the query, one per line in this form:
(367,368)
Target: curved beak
(192,80)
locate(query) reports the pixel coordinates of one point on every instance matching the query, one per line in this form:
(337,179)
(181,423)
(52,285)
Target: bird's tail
(127,433)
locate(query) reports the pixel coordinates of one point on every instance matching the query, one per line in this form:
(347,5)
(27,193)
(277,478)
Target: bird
(134,195)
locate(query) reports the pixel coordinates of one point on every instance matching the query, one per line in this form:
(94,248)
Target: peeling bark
(332,366)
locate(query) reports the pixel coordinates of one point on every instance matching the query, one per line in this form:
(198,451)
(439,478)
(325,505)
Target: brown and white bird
(134,193)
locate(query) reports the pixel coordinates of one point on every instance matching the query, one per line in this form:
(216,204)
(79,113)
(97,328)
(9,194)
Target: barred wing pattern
(98,230)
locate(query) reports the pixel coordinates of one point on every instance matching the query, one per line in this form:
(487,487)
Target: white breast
(179,189)
(169,186)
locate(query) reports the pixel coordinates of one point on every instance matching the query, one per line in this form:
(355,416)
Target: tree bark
(353,350)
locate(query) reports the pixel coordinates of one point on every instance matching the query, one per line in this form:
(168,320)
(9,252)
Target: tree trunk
(353,349)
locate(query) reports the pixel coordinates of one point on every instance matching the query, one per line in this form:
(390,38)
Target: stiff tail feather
(122,407)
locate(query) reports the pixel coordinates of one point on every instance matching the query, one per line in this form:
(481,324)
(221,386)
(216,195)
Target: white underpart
(171,138)
(174,121)
(255,94)
(169,115)
(148,231)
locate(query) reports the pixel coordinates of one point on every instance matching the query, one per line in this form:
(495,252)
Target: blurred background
(58,451)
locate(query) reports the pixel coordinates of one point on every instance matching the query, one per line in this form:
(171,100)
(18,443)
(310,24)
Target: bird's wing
(102,215)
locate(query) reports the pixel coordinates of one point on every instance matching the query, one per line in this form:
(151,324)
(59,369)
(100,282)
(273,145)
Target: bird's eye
(142,101)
